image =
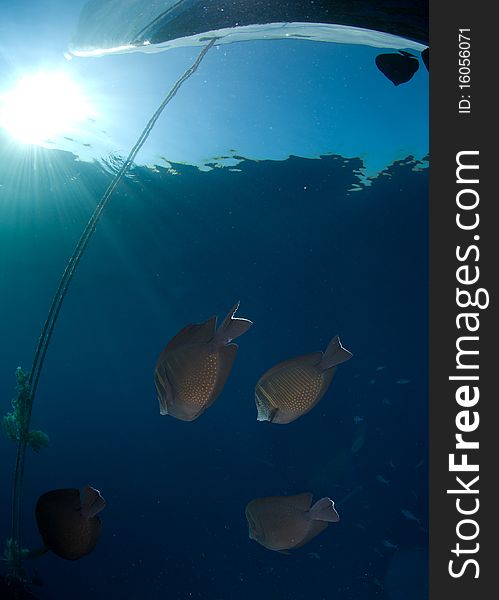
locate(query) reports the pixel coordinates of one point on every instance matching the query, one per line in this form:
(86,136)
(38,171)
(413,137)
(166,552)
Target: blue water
(308,259)
(314,216)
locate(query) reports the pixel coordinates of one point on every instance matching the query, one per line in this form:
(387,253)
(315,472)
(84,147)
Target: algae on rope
(16,422)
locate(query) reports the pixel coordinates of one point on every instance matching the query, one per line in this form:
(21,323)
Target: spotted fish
(293,387)
(193,368)
(286,522)
(68,521)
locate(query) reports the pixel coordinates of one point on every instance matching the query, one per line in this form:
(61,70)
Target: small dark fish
(359,438)
(408,515)
(285,522)
(193,368)
(293,387)
(425,55)
(68,521)
(398,68)
(382,479)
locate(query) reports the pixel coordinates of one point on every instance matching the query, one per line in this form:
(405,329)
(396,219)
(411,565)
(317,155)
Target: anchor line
(48,327)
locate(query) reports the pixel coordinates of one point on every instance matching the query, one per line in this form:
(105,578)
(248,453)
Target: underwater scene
(214,299)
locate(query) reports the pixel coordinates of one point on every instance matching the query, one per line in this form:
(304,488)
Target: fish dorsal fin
(195,333)
(300,501)
(306,360)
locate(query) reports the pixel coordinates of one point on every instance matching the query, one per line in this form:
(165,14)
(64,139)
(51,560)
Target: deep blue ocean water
(308,259)
(290,175)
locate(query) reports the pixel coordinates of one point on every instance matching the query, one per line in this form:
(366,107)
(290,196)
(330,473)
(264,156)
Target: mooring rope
(48,327)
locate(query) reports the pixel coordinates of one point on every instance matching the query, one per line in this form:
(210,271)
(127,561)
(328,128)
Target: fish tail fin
(323,510)
(335,354)
(232,327)
(91,502)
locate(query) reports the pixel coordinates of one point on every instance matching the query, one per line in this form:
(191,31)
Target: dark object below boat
(398,68)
